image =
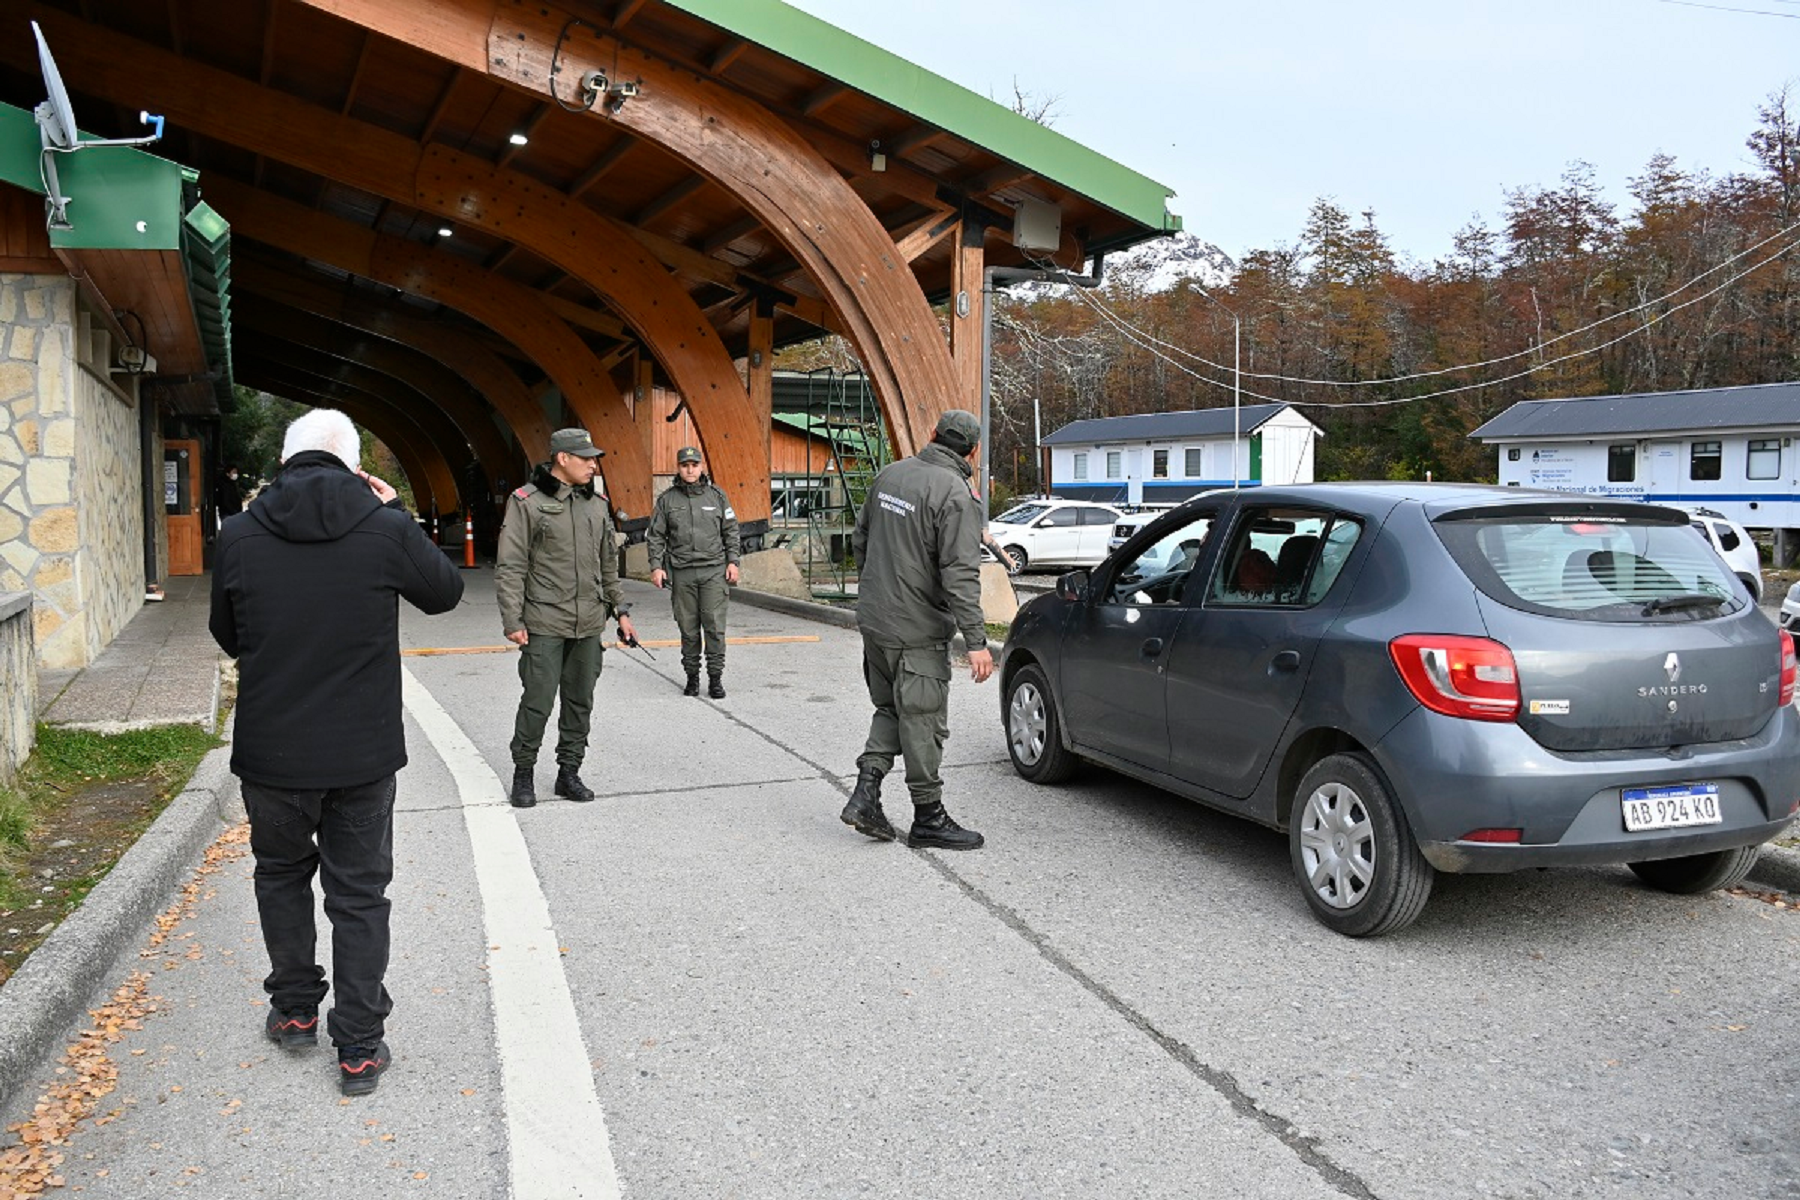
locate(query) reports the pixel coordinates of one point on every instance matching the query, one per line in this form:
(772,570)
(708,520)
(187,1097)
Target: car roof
(1441,498)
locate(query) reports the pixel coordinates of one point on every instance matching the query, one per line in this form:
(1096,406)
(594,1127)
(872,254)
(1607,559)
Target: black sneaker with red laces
(360,1068)
(294,1030)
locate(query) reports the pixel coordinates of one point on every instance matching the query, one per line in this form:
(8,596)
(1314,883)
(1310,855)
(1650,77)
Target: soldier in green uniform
(694,550)
(557,578)
(918,543)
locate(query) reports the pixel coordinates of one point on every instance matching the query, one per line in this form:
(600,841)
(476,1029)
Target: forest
(1692,284)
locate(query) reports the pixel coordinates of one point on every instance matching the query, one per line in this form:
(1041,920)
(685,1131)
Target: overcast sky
(1424,110)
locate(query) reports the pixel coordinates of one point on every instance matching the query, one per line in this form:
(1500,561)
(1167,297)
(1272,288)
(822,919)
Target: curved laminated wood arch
(267,379)
(480,367)
(426,385)
(442,443)
(783,180)
(589,246)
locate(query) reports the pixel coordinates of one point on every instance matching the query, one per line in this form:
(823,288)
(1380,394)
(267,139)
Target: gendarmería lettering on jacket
(896,504)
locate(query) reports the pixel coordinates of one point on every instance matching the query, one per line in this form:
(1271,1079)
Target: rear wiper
(1686,600)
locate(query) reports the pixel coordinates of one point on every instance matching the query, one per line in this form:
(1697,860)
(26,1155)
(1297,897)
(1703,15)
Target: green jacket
(918,541)
(557,572)
(693,526)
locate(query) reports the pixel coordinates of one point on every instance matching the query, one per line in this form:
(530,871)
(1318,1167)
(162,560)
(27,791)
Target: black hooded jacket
(305,596)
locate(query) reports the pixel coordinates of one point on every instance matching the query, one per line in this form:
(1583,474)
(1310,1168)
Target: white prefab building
(1730,449)
(1167,457)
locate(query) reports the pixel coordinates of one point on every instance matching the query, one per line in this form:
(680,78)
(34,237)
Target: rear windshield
(1594,568)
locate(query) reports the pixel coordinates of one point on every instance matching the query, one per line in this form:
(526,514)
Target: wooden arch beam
(277,383)
(512,311)
(431,384)
(481,368)
(737,143)
(293,350)
(463,188)
(310,369)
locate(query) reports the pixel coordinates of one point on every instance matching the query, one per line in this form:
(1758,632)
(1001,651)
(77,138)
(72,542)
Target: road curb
(825,614)
(43,1005)
(1778,868)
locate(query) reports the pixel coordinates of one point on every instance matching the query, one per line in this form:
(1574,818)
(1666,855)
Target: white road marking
(556,1133)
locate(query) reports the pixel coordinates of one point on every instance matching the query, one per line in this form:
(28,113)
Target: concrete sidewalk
(162,669)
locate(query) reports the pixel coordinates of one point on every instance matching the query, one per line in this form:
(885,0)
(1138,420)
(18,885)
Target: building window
(1704,461)
(1081,466)
(1765,459)
(1512,454)
(1621,462)
(1159,464)
(794,498)
(1193,462)
(1113,463)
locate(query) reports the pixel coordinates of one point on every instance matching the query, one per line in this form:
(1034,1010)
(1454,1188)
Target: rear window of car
(1596,568)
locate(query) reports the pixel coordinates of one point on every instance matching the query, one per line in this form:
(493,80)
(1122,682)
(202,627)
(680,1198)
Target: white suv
(1734,545)
(1054,533)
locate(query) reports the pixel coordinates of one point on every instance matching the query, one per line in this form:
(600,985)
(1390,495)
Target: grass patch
(68,763)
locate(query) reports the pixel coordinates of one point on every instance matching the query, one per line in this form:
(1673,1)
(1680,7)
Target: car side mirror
(1073,586)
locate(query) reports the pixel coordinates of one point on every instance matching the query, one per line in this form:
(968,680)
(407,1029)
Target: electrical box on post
(1037,225)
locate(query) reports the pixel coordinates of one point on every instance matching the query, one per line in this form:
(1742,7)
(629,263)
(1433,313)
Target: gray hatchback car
(1412,678)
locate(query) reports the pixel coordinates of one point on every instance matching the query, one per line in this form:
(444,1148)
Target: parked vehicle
(1054,533)
(1790,609)
(1734,544)
(1130,522)
(1413,678)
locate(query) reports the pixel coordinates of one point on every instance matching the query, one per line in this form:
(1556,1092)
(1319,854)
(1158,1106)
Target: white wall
(1662,474)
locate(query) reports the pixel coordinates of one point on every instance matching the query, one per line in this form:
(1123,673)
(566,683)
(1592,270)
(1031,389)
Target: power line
(1492,362)
(1144,340)
(1754,12)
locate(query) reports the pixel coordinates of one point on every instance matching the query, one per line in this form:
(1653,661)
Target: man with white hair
(304,593)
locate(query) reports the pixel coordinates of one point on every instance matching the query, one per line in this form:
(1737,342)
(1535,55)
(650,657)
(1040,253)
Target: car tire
(1034,729)
(1697,873)
(1020,559)
(1353,853)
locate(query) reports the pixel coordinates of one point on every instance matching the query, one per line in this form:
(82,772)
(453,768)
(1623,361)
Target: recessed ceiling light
(518,139)
(443,231)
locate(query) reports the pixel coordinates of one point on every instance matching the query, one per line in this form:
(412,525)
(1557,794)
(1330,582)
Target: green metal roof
(937,101)
(121,198)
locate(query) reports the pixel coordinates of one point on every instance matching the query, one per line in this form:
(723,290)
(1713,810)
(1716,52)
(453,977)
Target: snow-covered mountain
(1153,266)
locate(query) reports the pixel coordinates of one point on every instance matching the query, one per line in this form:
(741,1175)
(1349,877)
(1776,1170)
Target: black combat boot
(932,826)
(864,810)
(716,687)
(524,790)
(568,783)
(693,684)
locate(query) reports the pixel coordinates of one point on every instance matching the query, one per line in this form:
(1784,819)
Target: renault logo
(1672,666)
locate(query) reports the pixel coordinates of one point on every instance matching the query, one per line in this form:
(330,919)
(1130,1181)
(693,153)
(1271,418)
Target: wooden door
(182,480)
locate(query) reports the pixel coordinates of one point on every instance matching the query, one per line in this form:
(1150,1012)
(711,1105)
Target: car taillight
(1787,667)
(1469,677)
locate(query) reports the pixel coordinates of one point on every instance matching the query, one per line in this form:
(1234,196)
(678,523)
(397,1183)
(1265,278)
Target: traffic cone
(469,540)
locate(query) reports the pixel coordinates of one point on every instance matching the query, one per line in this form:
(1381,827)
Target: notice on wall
(171,483)
(1551,468)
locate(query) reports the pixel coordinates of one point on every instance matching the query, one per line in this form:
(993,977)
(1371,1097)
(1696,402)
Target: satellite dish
(56,115)
(59,134)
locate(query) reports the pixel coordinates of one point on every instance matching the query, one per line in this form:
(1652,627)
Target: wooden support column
(967,308)
(761,366)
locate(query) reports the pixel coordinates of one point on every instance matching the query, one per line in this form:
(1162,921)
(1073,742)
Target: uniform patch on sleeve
(521,493)
(730,513)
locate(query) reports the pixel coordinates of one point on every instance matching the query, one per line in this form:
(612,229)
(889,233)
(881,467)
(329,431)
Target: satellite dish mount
(58,132)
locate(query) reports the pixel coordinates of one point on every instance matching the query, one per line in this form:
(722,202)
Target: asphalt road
(1123,995)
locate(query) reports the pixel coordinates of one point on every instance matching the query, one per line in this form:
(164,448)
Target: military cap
(687,454)
(959,430)
(576,442)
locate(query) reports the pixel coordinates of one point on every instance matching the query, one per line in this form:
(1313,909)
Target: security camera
(625,91)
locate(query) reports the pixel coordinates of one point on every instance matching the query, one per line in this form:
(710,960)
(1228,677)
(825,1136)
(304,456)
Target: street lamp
(1237,380)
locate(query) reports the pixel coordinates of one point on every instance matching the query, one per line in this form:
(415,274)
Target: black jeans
(346,836)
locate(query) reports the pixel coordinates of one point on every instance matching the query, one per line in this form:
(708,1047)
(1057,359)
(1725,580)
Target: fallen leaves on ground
(87,1073)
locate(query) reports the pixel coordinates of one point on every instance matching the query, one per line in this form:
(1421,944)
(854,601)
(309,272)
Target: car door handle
(1152,647)
(1287,660)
